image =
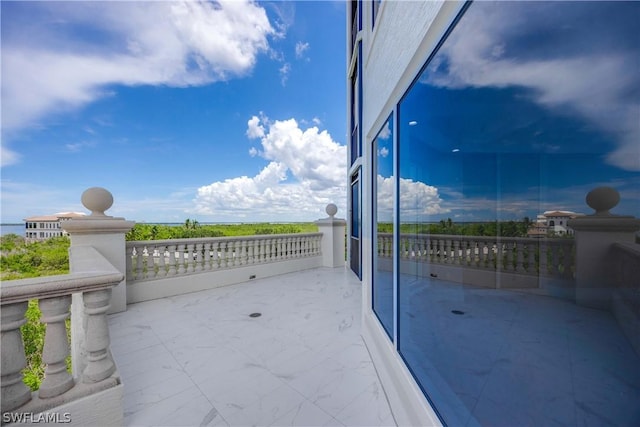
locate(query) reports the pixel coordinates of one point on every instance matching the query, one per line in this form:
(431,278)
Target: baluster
(259,251)
(464,252)
(531,258)
(499,255)
(555,260)
(569,261)
(491,253)
(56,346)
(199,248)
(184,258)
(150,264)
(189,252)
(130,262)
(455,258)
(206,255)
(245,252)
(520,247)
(288,245)
(543,267)
(279,248)
(215,250)
(226,245)
(99,363)
(509,248)
(284,242)
(139,262)
(172,260)
(14,392)
(267,249)
(251,251)
(447,252)
(236,253)
(162,264)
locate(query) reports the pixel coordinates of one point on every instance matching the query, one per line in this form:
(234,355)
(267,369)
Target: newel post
(594,235)
(333,238)
(107,235)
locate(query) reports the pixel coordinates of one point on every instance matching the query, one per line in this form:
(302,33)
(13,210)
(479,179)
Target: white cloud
(301,48)
(417,199)
(138,43)
(284,73)
(79,146)
(383,152)
(254,128)
(8,157)
(385,133)
(306,171)
(476,57)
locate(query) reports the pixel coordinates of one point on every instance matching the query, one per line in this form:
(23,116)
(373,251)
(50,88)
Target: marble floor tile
(305,414)
(199,359)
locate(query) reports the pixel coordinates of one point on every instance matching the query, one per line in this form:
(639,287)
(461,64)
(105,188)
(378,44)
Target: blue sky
(233,111)
(525,108)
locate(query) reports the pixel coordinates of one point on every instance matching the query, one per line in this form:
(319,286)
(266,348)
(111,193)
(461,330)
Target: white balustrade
(528,256)
(150,260)
(54,296)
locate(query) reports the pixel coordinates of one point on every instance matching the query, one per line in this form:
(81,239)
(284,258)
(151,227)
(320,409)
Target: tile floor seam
(306,399)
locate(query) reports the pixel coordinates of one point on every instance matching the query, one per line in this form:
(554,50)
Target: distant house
(47,226)
(552,223)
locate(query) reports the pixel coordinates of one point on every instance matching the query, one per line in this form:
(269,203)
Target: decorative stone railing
(54,295)
(625,302)
(150,260)
(548,257)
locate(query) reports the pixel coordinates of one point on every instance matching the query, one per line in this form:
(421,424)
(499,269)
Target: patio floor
(200,359)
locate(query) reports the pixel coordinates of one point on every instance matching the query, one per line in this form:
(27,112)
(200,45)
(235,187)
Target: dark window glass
(384,186)
(355,207)
(354,144)
(525,108)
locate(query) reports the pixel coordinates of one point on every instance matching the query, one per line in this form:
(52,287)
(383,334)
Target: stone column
(107,235)
(594,235)
(333,238)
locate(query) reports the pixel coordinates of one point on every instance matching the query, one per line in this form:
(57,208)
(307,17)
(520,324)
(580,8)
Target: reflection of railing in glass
(549,257)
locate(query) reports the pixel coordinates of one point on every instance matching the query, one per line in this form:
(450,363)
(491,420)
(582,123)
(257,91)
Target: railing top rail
(53,286)
(632,249)
(220,239)
(94,272)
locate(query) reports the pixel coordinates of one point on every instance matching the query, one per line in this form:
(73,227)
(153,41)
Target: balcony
(202,359)
(267,330)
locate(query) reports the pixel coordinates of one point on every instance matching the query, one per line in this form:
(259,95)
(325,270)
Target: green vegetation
(20,260)
(193,229)
(488,229)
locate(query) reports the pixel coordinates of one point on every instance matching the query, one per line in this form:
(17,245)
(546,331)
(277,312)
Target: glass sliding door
(524,108)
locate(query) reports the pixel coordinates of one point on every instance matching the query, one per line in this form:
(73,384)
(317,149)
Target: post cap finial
(603,199)
(97,200)
(331,209)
